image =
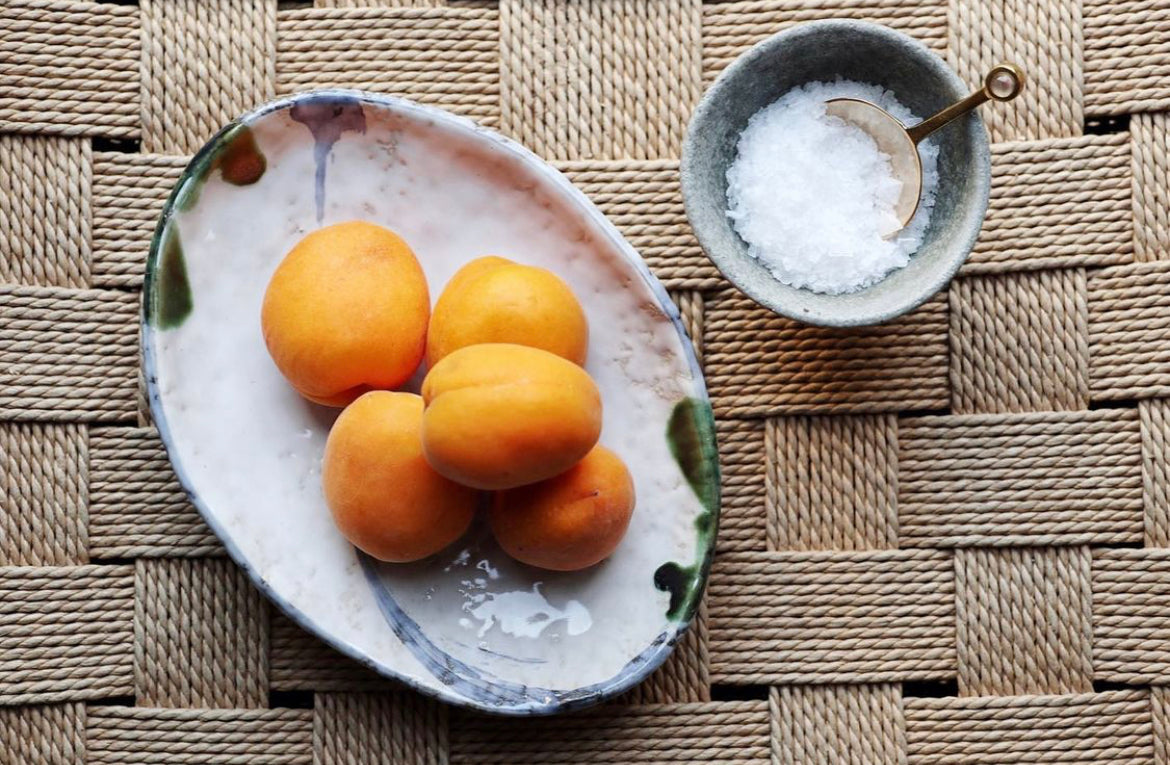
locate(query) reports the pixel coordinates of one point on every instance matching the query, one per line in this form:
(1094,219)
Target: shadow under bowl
(823,51)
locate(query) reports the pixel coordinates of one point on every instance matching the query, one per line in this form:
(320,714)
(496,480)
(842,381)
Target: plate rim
(663,645)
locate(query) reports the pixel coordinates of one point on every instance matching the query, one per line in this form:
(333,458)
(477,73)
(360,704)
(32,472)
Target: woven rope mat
(945,540)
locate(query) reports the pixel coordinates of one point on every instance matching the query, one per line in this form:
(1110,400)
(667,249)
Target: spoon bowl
(892,140)
(900,143)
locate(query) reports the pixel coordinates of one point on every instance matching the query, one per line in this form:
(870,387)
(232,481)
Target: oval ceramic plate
(469,625)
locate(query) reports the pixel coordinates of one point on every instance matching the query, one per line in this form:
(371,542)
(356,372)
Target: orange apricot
(384,496)
(500,415)
(493,300)
(570,521)
(346,312)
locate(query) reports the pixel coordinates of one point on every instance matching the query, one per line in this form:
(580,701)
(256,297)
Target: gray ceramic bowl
(823,51)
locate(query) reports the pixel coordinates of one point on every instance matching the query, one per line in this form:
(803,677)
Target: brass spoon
(1003,83)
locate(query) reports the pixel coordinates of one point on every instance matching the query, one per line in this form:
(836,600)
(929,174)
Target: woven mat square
(944,540)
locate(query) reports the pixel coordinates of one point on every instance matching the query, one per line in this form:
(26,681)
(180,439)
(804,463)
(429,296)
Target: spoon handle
(1003,83)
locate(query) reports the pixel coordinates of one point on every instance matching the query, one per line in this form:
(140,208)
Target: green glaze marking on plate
(189,194)
(679,581)
(173,291)
(691,435)
(236,156)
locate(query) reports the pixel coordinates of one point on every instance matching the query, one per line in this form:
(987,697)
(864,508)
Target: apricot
(493,300)
(346,312)
(384,496)
(500,415)
(568,522)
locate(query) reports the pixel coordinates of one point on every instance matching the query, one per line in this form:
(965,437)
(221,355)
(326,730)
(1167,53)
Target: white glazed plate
(469,625)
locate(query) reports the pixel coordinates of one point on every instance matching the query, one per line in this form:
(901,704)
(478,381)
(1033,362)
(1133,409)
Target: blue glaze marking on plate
(327,118)
(492,692)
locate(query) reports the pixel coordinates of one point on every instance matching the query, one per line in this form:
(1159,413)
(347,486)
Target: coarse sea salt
(812,195)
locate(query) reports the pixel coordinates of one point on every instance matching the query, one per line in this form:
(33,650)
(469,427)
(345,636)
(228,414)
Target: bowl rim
(705,111)
(653,655)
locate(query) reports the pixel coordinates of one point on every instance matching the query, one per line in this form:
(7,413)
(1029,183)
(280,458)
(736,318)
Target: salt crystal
(812,195)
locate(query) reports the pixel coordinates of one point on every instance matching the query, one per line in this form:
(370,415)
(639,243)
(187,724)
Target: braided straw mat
(944,540)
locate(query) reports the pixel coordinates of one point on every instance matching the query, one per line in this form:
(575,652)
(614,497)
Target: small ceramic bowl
(817,52)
